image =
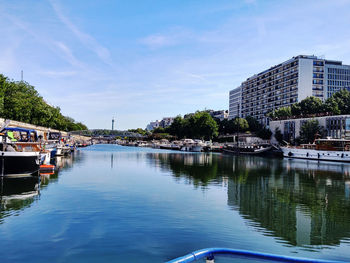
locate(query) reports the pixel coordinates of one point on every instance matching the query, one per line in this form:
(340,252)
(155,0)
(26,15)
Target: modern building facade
(290,82)
(337,77)
(235,103)
(337,126)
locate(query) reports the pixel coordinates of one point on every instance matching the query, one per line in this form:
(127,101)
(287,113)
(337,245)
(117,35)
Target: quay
(80,139)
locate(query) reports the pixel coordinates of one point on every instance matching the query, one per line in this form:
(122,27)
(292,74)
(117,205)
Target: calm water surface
(109,203)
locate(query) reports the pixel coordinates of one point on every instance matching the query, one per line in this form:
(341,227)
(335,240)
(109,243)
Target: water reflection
(302,203)
(19,193)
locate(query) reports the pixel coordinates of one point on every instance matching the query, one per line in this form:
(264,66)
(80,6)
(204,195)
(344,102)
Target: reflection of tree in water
(305,205)
(197,169)
(302,202)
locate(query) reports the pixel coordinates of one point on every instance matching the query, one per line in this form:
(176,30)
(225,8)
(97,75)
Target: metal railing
(209,254)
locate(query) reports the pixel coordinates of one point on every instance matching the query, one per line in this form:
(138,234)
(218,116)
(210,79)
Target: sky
(142,60)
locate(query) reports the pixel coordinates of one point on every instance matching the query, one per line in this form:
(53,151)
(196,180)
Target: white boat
(190,145)
(322,149)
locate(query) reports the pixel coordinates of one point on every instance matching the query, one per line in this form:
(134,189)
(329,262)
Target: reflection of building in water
(197,169)
(302,203)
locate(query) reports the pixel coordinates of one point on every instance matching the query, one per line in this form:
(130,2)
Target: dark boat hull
(248,151)
(18,164)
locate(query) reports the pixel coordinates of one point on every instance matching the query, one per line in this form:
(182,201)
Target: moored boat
(247,149)
(322,149)
(18,164)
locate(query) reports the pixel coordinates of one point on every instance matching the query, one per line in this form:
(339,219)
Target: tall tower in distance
(112,123)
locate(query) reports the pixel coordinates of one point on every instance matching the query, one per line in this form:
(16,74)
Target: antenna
(112,123)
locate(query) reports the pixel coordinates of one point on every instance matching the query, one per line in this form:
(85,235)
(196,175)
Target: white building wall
(235,99)
(322,121)
(305,78)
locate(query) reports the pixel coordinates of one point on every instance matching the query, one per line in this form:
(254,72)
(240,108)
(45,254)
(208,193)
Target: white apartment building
(235,103)
(164,123)
(219,114)
(290,82)
(153,125)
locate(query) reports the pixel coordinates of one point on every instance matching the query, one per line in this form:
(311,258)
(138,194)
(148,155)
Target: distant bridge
(107,136)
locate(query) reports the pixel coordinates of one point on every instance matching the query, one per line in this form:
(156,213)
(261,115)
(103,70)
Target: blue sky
(143,60)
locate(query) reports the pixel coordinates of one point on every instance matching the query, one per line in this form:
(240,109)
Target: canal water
(109,203)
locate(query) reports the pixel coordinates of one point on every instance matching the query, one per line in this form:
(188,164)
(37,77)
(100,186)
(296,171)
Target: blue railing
(209,254)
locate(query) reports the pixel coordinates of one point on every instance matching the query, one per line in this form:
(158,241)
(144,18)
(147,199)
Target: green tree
(264,133)
(311,105)
(158,130)
(342,99)
(309,130)
(201,125)
(254,124)
(296,109)
(239,125)
(21,102)
(177,128)
(139,131)
(278,135)
(331,105)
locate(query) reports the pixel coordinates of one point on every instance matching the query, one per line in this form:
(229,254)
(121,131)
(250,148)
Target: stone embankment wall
(41,129)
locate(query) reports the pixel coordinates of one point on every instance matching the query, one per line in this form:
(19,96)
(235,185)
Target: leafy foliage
(264,133)
(278,135)
(21,102)
(339,103)
(254,124)
(199,125)
(309,131)
(139,131)
(240,125)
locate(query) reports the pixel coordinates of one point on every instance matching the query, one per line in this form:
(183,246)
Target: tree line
(201,125)
(338,104)
(20,101)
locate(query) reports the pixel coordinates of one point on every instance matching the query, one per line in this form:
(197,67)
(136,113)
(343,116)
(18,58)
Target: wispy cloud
(158,40)
(68,54)
(56,46)
(250,1)
(59,74)
(86,39)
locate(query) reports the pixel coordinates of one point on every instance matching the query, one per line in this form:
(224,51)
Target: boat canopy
(54,136)
(28,132)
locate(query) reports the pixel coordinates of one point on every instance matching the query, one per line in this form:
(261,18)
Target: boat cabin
(16,134)
(332,144)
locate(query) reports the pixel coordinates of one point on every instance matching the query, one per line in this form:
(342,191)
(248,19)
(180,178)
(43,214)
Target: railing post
(210,259)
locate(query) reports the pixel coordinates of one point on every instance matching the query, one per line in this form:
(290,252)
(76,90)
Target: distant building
(153,125)
(219,114)
(235,102)
(287,83)
(337,126)
(164,123)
